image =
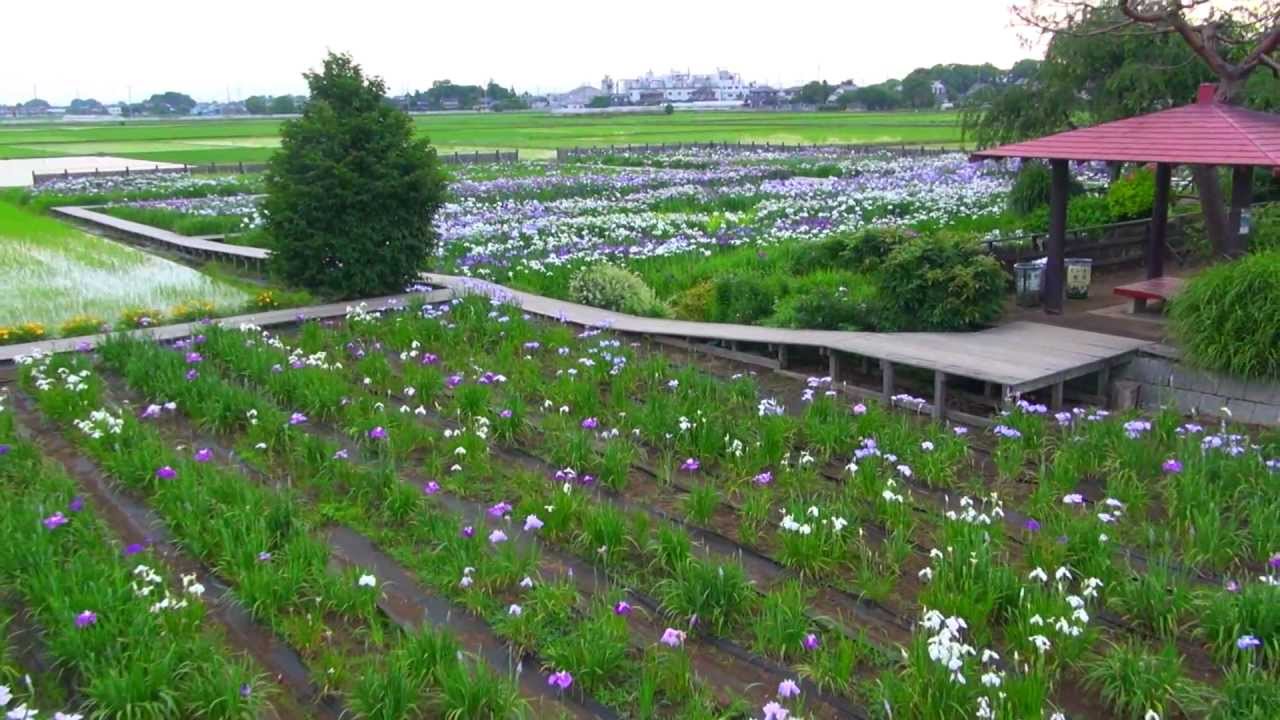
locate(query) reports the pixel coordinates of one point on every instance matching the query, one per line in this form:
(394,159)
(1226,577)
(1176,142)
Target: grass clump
(180,222)
(1228,318)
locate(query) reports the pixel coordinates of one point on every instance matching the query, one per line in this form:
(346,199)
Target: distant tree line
(963,84)
(447,95)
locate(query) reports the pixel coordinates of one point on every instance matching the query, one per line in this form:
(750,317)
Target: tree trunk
(1214,207)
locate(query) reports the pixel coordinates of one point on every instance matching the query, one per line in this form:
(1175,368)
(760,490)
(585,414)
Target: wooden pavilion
(1204,133)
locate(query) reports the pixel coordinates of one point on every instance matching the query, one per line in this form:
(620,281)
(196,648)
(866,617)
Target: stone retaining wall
(1160,378)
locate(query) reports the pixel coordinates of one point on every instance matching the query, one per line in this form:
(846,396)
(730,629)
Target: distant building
(216,109)
(939,91)
(764,96)
(578,97)
(676,86)
(839,90)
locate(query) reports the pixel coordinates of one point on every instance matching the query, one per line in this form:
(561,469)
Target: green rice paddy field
(535,134)
(51,272)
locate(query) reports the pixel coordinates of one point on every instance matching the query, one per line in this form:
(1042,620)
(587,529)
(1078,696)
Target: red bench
(1161,289)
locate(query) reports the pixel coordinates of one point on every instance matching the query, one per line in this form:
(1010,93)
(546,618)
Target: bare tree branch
(1275,67)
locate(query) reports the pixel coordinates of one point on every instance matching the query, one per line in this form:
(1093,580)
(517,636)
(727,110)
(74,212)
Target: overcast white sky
(110,50)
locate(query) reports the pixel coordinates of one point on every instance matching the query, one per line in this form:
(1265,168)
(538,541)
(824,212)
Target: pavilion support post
(939,395)
(886,381)
(1159,229)
(1055,270)
(1241,194)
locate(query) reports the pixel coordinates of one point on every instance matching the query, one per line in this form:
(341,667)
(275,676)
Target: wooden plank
(269,318)
(735,355)
(161,236)
(1020,356)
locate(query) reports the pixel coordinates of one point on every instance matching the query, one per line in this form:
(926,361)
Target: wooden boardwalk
(203,247)
(264,319)
(1018,357)
(1015,358)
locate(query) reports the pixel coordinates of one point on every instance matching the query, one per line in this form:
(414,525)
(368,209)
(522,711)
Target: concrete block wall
(1162,379)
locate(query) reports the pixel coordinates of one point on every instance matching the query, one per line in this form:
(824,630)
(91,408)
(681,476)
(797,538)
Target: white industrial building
(676,86)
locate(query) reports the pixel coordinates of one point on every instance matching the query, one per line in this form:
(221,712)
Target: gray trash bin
(1027,277)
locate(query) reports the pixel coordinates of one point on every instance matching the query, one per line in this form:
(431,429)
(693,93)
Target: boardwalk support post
(886,387)
(1055,396)
(939,395)
(833,366)
(783,356)
(1104,381)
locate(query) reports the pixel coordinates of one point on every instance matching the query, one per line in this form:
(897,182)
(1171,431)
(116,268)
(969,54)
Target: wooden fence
(563,154)
(38,179)
(1112,244)
(457,158)
(477,157)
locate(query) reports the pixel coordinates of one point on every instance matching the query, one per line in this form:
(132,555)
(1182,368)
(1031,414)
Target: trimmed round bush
(1228,318)
(614,288)
(940,282)
(695,302)
(352,192)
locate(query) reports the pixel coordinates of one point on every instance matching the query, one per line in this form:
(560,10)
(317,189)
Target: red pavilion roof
(1204,133)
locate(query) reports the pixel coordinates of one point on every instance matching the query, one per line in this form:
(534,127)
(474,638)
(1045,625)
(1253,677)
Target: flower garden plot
(276,564)
(535,229)
(125,634)
(1100,523)
(703,659)
(414,426)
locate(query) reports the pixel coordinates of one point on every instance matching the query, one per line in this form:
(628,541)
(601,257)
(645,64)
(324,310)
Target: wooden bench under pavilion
(1161,289)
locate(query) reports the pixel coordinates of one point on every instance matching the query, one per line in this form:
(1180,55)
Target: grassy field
(534,133)
(54,272)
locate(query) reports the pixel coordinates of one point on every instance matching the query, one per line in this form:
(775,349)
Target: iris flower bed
(671,542)
(663,215)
